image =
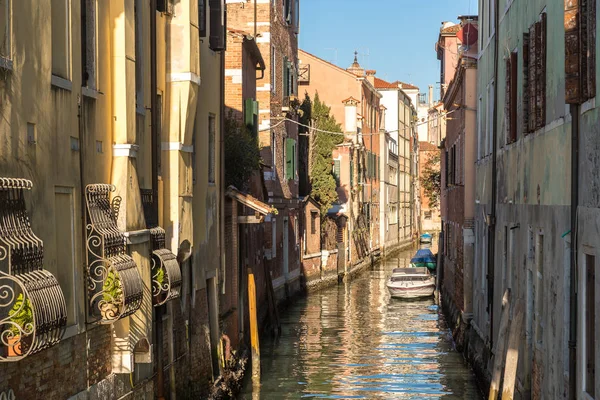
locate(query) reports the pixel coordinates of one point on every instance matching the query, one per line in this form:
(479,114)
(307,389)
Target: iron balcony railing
(166,273)
(115,286)
(33,311)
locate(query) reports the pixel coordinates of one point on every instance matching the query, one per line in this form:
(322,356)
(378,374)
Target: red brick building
(275,27)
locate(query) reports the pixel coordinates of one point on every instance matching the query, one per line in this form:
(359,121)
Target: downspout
(492,223)
(575,109)
(222,173)
(154,143)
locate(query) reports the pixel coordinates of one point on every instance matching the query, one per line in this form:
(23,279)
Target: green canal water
(353,341)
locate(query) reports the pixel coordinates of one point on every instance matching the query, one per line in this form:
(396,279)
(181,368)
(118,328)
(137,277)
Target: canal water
(353,341)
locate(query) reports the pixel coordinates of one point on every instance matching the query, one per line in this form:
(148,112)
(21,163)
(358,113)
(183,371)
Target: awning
(249,201)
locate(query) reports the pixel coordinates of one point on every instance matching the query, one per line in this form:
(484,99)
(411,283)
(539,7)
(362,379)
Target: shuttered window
(202,17)
(535,85)
(290,159)
(351,174)
(251,115)
(217,25)
(336,171)
(511,98)
(590,324)
(580,51)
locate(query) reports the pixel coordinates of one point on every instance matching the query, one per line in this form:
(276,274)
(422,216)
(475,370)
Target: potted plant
(112,293)
(21,316)
(158,279)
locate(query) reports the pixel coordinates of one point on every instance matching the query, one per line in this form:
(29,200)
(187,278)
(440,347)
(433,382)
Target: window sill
(6,63)
(89,92)
(61,83)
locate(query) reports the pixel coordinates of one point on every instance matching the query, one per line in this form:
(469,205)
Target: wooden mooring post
(253,329)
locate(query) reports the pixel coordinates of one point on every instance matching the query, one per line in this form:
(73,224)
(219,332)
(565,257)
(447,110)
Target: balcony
(33,311)
(115,286)
(166,273)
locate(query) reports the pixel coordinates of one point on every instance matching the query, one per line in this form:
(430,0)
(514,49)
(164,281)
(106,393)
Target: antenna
(365,53)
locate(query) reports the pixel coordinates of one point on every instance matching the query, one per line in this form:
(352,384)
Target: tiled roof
(451,29)
(405,85)
(426,146)
(381,84)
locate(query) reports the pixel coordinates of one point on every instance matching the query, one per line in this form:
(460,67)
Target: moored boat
(426,238)
(411,283)
(424,258)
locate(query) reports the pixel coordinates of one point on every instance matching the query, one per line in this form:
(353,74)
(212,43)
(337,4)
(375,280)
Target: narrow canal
(355,342)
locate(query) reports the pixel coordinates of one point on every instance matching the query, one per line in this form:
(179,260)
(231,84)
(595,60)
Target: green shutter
(286,79)
(249,113)
(289,158)
(336,171)
(351,174)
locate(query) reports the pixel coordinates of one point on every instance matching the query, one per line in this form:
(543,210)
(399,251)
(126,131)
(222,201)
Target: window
(61,38)
(211,148)
(165,6)
(274,152)
(427,214)
(291,161)
(287,11)
(580,51)
(313,222)
(89,53)
(31,133)
(139,56)
(539,300)
(64,227)
(351,174)
(273,238)
(296,22)
(490,119)
(202,17)
(251,115)
(336,171)
(590,325)
(534,60)
(217,25)
(5,29)
(273,70)
(510,109)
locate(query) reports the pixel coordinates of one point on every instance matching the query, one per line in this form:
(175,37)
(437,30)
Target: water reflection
(354,342)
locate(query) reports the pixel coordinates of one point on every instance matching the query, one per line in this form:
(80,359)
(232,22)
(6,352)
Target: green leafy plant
(21,314)
(242,153)
(112,290)
(431,180)
(320,165)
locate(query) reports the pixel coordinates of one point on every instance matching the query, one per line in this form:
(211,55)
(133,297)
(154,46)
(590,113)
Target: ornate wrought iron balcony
(114,283)
(33,311)
(166,273)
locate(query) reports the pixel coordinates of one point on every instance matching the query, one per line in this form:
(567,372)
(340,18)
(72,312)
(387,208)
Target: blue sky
(394,37)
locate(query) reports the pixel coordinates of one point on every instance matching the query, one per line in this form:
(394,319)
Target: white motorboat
(411,283)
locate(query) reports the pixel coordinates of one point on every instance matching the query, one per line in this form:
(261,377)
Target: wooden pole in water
(500,346)
(253,328)
(512,355)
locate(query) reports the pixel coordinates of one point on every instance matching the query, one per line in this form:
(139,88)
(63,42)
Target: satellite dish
(468,34)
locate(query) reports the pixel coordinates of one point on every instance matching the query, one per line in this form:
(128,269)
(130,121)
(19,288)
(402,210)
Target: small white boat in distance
(411,283)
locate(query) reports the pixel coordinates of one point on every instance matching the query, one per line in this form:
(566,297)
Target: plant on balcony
(21,316)
(112,293)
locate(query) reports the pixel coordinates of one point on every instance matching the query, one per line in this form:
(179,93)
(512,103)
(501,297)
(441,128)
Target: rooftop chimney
(430,96)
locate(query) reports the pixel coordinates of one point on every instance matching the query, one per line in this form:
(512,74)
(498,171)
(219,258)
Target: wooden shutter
(202,17)
(588,13)
(336,171)
(580,50)
(507,86)
(285,75)
(542,41)
(289,158)
(532,79)
(351,174)
(526,64)
(249,113)
(217,25)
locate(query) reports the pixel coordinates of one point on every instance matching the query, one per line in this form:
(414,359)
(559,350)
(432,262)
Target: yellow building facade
(79,126)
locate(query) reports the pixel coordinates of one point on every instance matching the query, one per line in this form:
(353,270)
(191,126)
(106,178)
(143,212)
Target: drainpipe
(155,141)
(575,108)
(492,222)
